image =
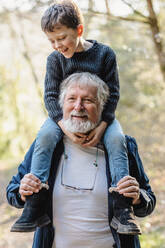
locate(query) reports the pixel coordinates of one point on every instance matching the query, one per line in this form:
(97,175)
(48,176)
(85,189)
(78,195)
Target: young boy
(63,25)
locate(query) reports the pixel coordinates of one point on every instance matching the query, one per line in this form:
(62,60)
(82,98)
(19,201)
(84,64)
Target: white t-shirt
(80,217)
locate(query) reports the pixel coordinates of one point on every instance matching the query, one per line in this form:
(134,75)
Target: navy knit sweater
(99,59)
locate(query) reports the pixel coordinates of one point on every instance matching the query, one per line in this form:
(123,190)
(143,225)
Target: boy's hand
(77,138)
(95,135)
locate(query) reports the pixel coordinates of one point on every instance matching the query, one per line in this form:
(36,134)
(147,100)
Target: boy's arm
(147,196)
(112,80)
(53,79)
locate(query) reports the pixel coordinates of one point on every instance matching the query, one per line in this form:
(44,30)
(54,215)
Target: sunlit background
(136,32)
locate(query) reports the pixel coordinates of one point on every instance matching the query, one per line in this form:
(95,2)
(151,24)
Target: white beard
(78,126)
(75,126)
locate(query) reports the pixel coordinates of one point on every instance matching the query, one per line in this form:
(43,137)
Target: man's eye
(71,98)
(87,100)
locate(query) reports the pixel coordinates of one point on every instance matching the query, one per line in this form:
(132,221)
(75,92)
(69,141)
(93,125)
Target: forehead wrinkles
(89,89)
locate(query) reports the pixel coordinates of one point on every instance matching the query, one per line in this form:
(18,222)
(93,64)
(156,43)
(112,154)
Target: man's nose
(78,105)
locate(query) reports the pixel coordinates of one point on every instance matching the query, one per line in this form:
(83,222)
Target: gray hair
(85,79)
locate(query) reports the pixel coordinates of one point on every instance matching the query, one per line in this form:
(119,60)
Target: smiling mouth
(80,117)
(63,50)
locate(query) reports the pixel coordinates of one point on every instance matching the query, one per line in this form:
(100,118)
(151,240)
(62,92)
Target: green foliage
(15,132)
(152,240)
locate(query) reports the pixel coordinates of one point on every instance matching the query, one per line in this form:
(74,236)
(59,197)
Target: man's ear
(80,29)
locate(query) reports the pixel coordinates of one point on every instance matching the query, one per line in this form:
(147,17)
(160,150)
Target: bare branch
(88,17)
(112,17)
(134,10)
(107,7)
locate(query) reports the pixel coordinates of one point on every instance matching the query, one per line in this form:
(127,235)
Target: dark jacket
(43,237)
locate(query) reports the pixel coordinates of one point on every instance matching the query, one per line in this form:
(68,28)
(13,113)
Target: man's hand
(29,184)
(129,187)
(95,135)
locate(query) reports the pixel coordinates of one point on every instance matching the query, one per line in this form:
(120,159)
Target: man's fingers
(32,177)
(27,187)
(25,192)
(133,195)
(126,182)
(129,189)
(124,179)
(31,180)
(30,183)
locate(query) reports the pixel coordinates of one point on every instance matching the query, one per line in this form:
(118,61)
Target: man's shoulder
(135,163)
(132,146)
(130,140)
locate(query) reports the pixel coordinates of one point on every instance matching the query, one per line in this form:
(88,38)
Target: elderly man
(79,204)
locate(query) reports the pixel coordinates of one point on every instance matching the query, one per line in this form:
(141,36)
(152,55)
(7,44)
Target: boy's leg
(115,143)
(46,141)
(33,214)
(114,140)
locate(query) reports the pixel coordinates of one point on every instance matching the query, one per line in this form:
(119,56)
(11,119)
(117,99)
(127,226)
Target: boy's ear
(80,29)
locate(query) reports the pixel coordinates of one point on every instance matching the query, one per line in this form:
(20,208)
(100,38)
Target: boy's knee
(44,138)
(116,139)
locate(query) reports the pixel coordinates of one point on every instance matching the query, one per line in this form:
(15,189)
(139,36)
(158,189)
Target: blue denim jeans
(47,138)
(50,134)
(115,144)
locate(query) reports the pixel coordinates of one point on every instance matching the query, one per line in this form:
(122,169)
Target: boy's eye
(61,38)
(51,41)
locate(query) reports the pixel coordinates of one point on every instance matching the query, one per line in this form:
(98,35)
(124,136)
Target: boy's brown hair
(64,12)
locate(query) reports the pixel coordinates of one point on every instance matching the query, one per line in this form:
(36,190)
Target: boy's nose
(57,45)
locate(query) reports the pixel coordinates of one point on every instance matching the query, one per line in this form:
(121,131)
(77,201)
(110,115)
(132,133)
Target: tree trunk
(156,36)
(88,18)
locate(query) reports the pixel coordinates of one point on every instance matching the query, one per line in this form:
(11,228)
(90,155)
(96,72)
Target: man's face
(81,105)
(65,40)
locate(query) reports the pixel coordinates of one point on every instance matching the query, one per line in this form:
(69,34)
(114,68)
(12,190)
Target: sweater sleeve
(53,79)
(12,191)
(112,80)
(147,196)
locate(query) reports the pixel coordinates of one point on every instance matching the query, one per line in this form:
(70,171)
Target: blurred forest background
(136,31)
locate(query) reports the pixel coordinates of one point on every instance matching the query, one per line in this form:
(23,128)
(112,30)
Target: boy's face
(66,40)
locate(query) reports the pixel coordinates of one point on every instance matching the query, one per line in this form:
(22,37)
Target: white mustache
(79,113)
